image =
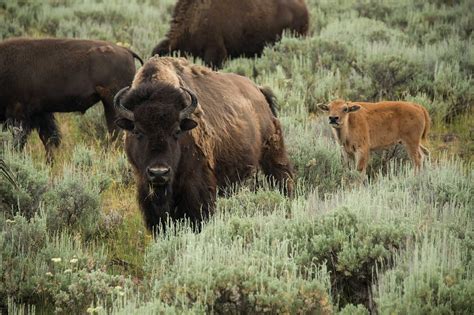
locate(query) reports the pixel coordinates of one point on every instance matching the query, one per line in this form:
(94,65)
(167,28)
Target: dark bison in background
(190,131)
(217,29)
(39,77)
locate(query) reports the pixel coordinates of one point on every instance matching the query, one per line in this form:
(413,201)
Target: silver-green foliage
(404,239)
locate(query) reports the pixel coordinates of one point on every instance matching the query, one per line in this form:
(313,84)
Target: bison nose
(333,119)
(158,174)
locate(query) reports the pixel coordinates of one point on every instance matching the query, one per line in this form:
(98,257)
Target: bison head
(156,117)
(338,111)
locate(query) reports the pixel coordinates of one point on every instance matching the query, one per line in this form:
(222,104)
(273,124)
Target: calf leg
(346,158)
(48,132)
(414,150)
(361,160)
(275,162)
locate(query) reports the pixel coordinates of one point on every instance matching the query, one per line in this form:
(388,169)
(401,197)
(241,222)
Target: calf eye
(345,109)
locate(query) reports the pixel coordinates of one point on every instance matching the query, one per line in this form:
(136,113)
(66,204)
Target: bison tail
(136,56)
(427,124)
(271,99)
(162,49)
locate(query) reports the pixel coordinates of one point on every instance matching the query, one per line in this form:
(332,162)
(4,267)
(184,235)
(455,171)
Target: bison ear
(125,124)
(354,108)
(187,124)
(323,107)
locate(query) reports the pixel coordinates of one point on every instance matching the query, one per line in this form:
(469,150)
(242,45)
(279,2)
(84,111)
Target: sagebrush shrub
(430,278)
(32,182)
(73,205)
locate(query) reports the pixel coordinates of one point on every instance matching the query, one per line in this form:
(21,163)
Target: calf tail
(271,99)
(427,124)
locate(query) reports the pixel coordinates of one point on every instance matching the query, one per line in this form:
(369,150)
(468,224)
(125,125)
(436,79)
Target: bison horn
(188,110)
(118,104)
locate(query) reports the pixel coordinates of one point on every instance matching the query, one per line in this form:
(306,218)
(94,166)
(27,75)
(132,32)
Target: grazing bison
(361,127)
(190,131)
(217,29)
(39,77)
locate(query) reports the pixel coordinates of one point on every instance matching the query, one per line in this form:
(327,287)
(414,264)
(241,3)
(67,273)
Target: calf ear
(323,107)
(187,124)
(125,124)
(354,108)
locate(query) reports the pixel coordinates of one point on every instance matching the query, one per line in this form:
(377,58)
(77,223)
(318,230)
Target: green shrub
(37,268)
(232,275)
(83,157)
(32,183)
(351,309)
(92,126)
(315,156)
(429,278)
(73,205)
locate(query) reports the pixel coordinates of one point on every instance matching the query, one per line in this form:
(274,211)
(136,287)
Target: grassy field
(72,239)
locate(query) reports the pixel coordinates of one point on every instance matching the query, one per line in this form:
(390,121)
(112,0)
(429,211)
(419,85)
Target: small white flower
(67,271)
(10,221)
(118,287)
(73,261)
(56,260)
(49,274)
(121,293)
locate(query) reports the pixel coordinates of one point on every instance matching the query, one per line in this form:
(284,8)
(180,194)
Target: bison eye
(176,133)
(137,133)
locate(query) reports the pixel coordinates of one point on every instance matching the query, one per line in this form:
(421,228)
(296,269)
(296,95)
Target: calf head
(155,118)
(339,111)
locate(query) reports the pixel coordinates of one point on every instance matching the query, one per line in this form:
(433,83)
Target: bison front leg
(197,202)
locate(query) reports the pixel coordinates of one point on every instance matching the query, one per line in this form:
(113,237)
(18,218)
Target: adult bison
(191,131)
(217,29)
(39,77)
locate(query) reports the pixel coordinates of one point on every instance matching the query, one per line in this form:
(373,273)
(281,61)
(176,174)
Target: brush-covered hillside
(72,240)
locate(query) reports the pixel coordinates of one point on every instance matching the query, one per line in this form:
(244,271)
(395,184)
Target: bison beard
(160,203)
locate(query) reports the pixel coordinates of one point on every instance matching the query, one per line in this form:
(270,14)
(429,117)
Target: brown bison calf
(191,131)
(217,29)
(362,127)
